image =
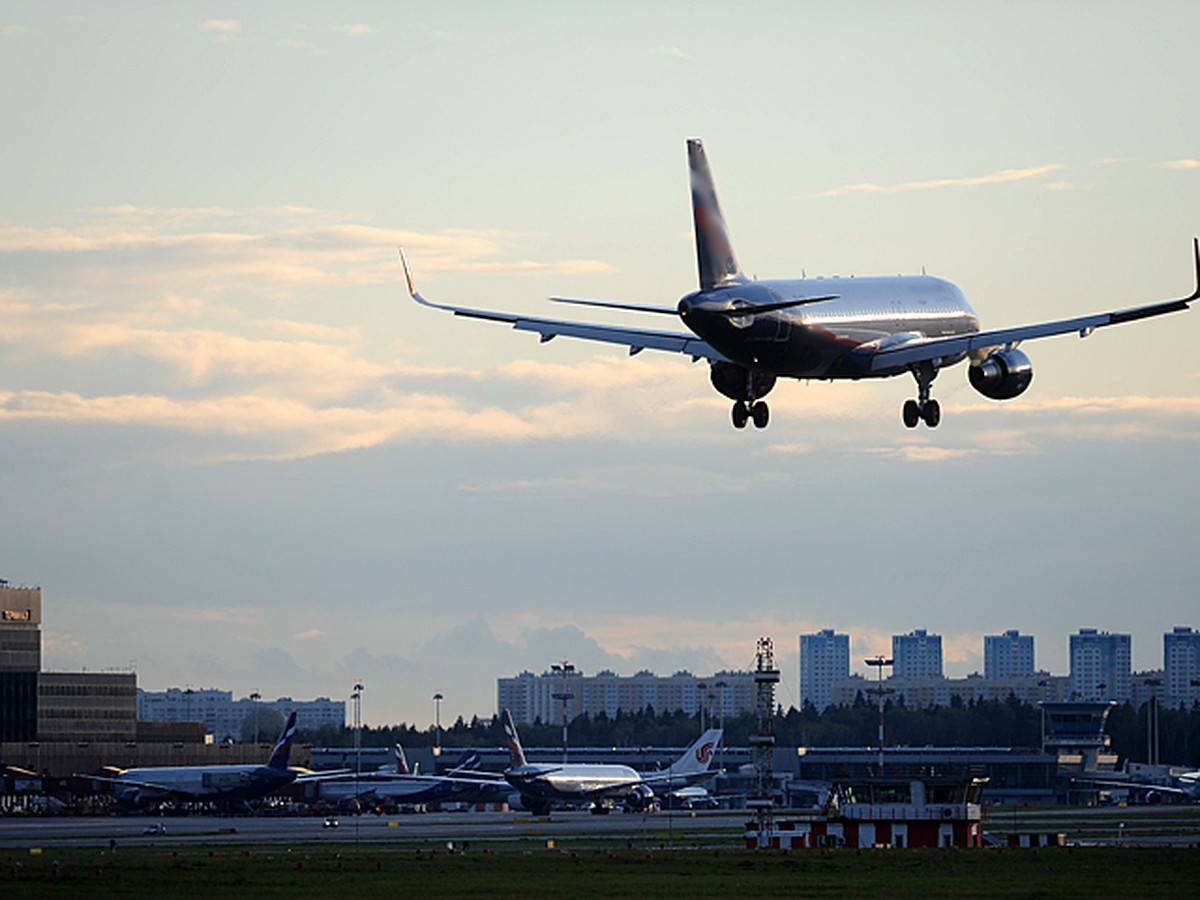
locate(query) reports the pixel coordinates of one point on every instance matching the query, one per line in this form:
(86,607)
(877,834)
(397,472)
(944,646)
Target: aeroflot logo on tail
(704,752)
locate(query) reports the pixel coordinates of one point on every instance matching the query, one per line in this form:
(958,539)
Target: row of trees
(991,723)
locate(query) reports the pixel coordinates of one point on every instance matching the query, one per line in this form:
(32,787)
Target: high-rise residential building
(1101,664)
(227,719)
(824,659)
(917,655)
(542,698)
(1008,655)
(1181,667)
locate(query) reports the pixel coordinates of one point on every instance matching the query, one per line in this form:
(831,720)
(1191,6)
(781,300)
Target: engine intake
(1002,375)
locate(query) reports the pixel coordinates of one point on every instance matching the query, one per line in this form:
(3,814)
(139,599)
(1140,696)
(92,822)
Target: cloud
(1181,164)
(672,53)
(1004,176)
(13,30)
(355,30)
(277,250)
(221,29)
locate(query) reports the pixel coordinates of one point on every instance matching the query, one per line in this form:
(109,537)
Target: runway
(1140,826)
(417,829)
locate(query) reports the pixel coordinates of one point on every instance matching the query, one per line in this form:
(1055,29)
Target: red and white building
(885,812)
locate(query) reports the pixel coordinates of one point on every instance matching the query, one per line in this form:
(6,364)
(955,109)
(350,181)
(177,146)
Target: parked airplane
(225,785)
(541,785)
(1180,785)
(754,332)
(462,784)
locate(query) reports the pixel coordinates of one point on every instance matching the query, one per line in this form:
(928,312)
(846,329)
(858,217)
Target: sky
(234,454)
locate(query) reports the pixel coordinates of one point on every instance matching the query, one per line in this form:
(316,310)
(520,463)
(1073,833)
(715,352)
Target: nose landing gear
(924,408)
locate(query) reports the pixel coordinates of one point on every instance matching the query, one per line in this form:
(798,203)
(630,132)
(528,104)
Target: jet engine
(1002,375)
(735,382)
(640,799)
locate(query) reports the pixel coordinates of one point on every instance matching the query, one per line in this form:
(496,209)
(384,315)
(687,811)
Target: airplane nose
(685,307)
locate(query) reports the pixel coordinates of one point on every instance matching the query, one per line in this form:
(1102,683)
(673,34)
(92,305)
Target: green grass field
(215,872)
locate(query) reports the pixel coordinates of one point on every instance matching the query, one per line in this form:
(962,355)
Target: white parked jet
(754,332)
(541,785)
(224,785)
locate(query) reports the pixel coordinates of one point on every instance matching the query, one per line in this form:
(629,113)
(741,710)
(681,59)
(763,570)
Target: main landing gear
(745,388)
(755,410)
(924,408)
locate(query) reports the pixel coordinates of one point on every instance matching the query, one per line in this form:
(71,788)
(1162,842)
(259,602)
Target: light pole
(1153,683)
(566,670)
(437,723)
(721,720)
(255,696)
(879,662)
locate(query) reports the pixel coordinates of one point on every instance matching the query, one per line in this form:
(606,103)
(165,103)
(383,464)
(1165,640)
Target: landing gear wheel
(932,413)
(740,414)
(912,414)
(761,414)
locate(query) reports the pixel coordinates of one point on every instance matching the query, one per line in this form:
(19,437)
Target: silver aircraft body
(462,784)
(598,785)
(138,788)
(753,332)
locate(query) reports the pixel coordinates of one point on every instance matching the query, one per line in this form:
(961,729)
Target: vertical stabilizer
(401,761)
(697,758)
(283,747)
(714,252)
(515,753)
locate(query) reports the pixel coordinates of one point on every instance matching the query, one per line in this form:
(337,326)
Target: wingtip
(412,289)
(1196,255)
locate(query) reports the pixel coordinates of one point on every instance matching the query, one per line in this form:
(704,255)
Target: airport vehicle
(599,786)
(225,785)
(755,332)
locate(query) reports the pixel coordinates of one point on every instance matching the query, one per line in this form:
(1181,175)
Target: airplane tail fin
(468,763)
(714,251)
(697,758)
(516,754)
(283,746)
(401,761)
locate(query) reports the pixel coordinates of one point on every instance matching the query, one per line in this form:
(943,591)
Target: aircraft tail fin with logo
(516,753)
(697,758)
(283,747)
(714,251)
(401,761)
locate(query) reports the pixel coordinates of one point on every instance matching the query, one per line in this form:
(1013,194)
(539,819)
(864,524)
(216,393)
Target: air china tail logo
(704,752)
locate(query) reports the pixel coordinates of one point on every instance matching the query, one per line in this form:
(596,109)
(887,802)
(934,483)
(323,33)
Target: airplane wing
(636,339)
(917,351)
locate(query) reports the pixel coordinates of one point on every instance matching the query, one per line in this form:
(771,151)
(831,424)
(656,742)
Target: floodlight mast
(879,662)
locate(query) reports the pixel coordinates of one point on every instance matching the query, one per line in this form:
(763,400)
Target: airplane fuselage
(570,782)
(230,782)
(831,338)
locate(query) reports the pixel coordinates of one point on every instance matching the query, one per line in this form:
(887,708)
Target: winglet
(412,288)
(1196,249)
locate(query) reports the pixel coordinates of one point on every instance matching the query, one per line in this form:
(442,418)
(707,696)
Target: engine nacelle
(640,799)
(734,381)
(1002,375)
